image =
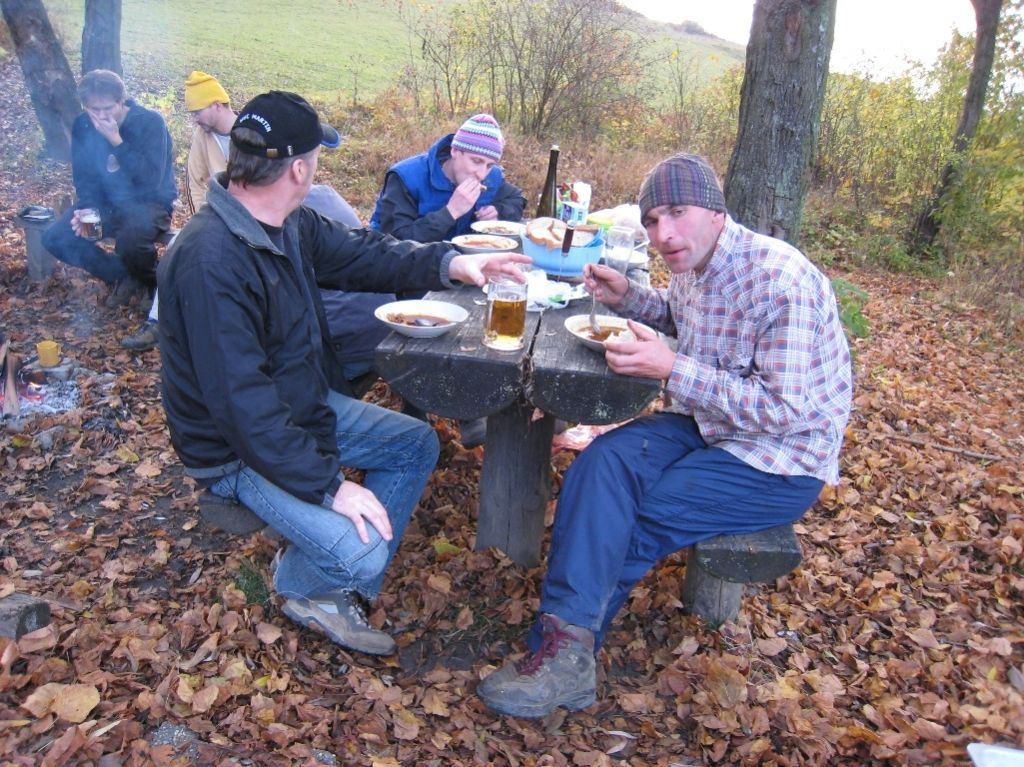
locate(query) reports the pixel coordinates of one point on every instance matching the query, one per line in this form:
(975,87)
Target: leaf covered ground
(898,640)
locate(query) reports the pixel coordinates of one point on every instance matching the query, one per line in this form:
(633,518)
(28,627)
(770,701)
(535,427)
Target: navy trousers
(641,492)
(134,228)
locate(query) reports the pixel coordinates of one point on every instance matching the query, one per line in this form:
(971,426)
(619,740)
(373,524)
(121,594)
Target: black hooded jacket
(246,359)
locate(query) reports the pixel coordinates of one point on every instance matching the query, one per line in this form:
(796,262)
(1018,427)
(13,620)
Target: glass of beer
(505,321)
(91,226)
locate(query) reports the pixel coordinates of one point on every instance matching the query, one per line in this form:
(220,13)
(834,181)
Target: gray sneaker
(340,615)
(561,673)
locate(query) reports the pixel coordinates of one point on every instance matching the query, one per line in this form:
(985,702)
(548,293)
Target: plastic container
(552,261)
(984,755)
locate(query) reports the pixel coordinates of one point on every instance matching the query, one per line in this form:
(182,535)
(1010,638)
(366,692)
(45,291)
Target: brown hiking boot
(146,337)
(561,673)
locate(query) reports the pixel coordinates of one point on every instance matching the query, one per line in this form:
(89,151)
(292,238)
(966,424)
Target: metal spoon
(594,326)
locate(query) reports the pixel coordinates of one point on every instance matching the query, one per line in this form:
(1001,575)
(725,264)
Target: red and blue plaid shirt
(763,364)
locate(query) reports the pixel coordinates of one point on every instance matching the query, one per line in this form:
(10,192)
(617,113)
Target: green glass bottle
(549,192)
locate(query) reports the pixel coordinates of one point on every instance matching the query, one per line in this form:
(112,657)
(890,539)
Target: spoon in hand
(594,326)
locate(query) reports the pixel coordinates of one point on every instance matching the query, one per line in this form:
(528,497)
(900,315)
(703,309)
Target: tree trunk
(986,14)
(48,77)
(101,36)
(780,110)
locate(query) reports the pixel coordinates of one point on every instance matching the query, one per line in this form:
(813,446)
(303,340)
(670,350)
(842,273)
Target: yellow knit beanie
(201,90)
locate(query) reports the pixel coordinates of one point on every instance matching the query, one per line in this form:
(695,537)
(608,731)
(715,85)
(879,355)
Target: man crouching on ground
(257,408)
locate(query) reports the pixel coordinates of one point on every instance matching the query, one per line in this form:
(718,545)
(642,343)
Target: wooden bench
(718,568)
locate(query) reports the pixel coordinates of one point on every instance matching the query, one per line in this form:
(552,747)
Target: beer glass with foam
(91,226)
(505,321)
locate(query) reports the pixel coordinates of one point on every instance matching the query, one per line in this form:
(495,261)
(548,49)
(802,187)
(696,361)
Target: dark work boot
(561,673)
(142,339)
(473,433)
(124,291)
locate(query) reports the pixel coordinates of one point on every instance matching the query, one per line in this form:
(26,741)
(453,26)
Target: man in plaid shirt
(760,391)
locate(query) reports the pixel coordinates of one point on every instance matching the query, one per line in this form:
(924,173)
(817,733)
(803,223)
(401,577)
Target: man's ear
(298,170)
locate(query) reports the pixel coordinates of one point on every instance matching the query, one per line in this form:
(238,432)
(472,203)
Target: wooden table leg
(515,482)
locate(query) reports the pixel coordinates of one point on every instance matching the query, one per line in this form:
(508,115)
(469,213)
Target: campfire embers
(54,397)
(26,389)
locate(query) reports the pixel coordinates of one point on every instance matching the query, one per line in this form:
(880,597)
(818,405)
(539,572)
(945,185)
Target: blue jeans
(325,553)
(641,492)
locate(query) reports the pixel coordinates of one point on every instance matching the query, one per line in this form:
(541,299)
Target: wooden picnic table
(521,393)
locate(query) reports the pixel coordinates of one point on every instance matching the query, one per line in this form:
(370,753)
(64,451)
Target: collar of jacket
(239,221)
(440,151)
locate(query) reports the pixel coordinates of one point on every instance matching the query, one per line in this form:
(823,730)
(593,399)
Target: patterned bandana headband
(685,179)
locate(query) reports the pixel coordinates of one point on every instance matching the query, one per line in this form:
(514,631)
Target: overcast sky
(886,32)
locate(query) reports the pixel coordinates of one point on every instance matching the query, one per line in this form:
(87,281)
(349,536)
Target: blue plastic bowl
(552,261)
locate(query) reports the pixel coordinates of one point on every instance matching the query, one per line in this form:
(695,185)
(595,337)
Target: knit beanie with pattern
(480,134)
(685,179)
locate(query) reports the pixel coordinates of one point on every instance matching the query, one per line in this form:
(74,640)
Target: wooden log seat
(21,614)
(718,568)
(38,261)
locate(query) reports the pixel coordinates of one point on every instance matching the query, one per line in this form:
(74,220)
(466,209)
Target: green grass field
(336,53)
(316,46)
(328,49)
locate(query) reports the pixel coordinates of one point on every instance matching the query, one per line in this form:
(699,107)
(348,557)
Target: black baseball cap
(287,123)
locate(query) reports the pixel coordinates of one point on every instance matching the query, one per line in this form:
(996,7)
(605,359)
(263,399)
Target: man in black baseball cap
(257,406)
(286,122)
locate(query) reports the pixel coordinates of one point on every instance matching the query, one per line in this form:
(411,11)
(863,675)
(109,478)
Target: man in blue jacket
(256,403)
(122,167)
(438,194)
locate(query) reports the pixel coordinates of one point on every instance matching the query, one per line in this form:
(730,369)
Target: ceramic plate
(579,326)
(407,317)
(500,228)
(484,243)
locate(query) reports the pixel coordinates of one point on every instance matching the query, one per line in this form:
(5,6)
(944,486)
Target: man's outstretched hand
(476,268)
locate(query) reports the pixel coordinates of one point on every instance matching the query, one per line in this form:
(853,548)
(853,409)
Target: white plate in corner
(400,315)
(984,755)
